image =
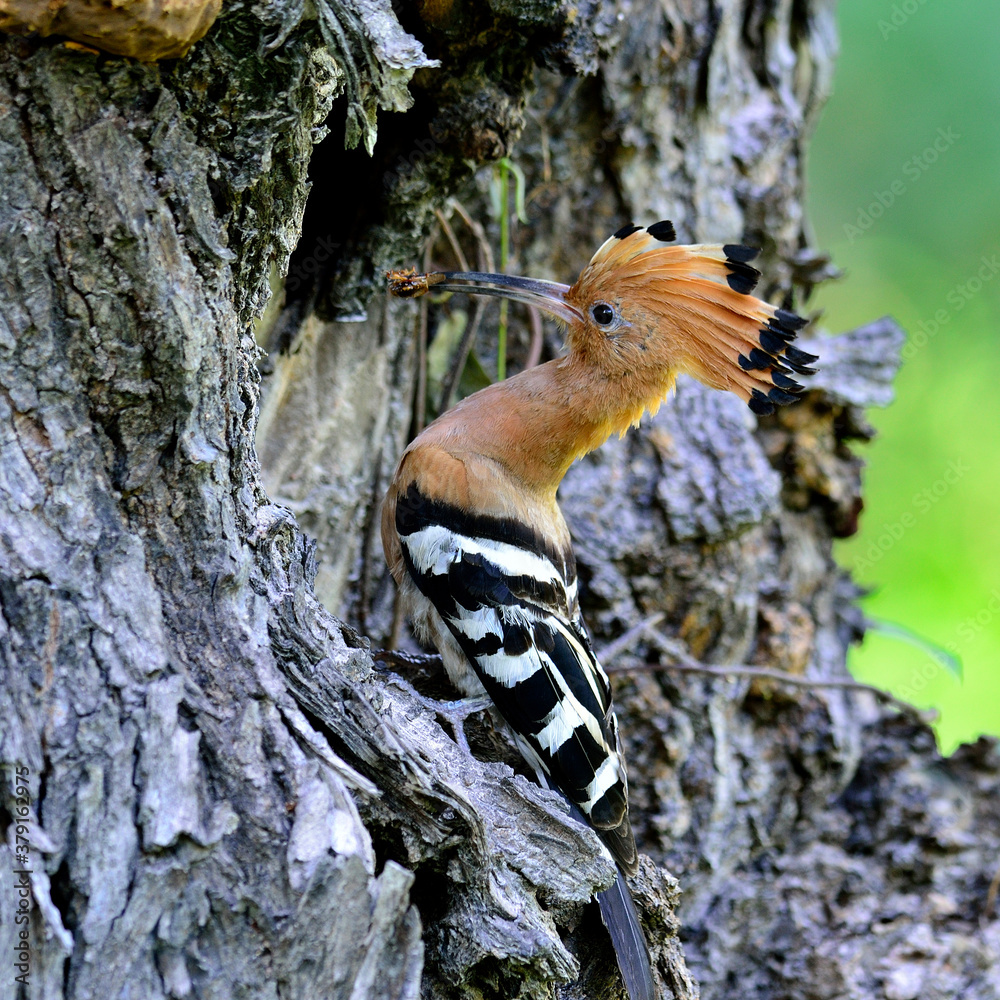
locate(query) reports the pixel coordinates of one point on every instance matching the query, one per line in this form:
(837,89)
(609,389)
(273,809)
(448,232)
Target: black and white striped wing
(510,601)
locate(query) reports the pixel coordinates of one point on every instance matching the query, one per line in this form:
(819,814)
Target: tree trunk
(222,796)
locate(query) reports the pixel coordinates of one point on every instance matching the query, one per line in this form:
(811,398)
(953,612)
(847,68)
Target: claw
(455,713)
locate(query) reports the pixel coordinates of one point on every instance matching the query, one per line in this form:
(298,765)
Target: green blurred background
(913,128)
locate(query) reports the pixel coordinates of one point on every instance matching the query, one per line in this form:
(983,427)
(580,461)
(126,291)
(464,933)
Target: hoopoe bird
(475,539)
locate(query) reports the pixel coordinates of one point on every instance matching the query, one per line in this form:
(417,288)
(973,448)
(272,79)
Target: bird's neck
(543,419)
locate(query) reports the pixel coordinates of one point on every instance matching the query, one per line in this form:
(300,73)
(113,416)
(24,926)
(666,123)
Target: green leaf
(518,173)
(937,653)
(473,378)
(441,351)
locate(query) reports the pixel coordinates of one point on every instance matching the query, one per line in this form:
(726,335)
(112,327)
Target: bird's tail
(619,915)
(621,919)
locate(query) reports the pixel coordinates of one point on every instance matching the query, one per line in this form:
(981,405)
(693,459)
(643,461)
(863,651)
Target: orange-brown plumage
(472,531)
(677,309)
(690,309)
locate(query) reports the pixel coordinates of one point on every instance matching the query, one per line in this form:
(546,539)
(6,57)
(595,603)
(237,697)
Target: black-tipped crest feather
(741,254)
(742,277)
(663,231)
(771,342)
(760,404)
(760,360)
(789,319)
(784,381)
(798,357)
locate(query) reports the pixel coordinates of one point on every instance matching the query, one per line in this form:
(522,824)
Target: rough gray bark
(224,798)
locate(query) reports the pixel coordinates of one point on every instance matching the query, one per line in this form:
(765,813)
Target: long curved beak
(547,295)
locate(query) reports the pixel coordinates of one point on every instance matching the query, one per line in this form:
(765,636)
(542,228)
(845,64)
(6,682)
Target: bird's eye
(603,313)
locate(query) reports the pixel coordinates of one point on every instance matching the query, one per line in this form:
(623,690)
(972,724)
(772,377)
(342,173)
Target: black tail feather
(620,917)
(622,921)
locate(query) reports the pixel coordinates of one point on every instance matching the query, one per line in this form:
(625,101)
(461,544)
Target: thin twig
(400,657)
(619,645)
(535,349)
(688,664)
(483,244)
(485,255)
(504,252)
(458,360)
(463,264)
(785,678)
(420,414)
(420,417)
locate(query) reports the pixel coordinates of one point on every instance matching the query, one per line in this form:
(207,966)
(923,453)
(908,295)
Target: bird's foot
(455,713)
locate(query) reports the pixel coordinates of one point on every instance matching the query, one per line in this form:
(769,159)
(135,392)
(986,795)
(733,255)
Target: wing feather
(515,614)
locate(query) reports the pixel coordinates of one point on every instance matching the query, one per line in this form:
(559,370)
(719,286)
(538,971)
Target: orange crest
(646,305)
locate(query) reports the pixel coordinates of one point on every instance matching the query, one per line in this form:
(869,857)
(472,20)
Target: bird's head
(644,311)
